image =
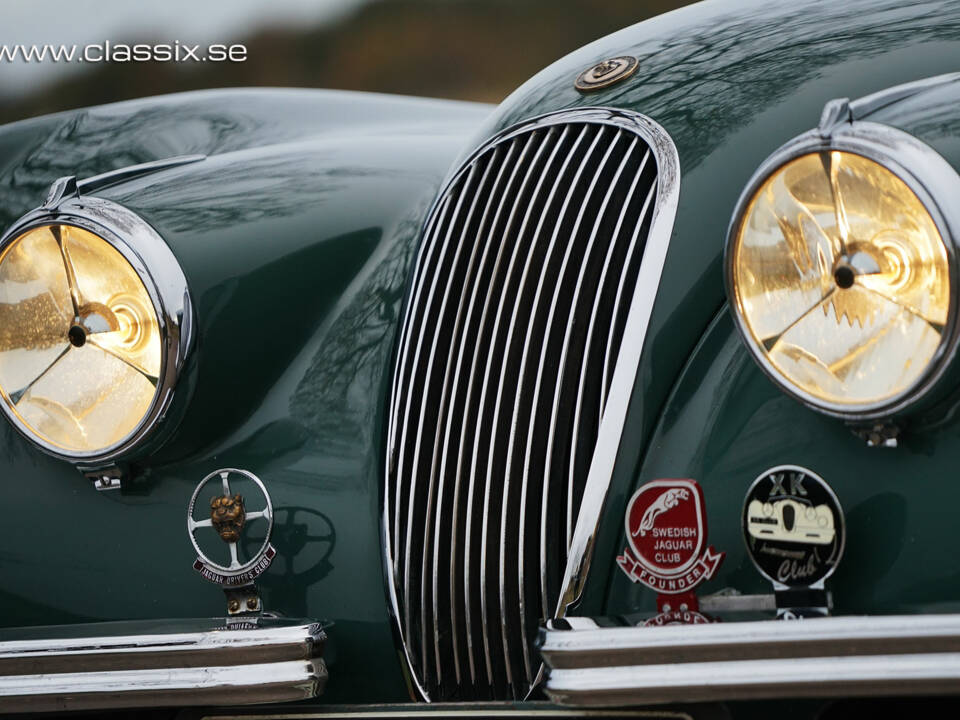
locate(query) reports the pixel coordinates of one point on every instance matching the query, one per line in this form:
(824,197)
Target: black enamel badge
(793,525)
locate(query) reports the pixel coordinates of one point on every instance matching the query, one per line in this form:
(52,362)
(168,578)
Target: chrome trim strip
(631,348)
(591,646)
(165,283)
(140,652)
(821,677)
(819,657)
(935,183)
(460,710)
(263,664)
(268,682)
(112,177)
(868,104)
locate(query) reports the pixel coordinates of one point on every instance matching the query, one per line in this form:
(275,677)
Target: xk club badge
(794,528)
(226,513)
(666,527)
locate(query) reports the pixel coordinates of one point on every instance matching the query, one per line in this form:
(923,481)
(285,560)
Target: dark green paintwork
(297,235)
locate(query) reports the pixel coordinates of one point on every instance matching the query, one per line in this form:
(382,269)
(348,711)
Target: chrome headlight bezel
(932,179)
(163,279)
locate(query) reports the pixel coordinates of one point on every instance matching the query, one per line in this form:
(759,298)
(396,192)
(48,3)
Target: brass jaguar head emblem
(228,516)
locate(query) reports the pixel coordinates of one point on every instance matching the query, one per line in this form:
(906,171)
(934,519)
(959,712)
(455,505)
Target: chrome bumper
(591,665)
(45,669)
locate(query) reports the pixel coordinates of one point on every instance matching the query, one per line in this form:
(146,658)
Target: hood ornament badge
(794,529)
(606,73)
(228,517)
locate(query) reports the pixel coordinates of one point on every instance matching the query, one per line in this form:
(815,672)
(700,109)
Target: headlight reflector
(80,341)
(840,280)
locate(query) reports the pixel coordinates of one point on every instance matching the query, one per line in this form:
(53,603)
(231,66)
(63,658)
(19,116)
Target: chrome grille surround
(533,287)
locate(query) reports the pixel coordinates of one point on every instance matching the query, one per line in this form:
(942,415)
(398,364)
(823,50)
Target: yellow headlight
(841,280)
(80,346)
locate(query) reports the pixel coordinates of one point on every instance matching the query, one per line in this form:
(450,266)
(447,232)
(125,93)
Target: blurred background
(464,49)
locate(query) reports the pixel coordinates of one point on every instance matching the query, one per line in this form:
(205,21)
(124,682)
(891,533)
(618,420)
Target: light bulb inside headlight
(80,346)
(841,281)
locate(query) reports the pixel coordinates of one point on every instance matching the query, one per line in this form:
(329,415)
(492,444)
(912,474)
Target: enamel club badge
(794,527)
(224,511)
(666,527)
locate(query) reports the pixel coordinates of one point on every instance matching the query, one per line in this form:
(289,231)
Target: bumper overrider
(594,665)
(177,663)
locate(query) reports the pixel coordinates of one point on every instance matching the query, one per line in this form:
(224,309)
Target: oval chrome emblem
(606,73)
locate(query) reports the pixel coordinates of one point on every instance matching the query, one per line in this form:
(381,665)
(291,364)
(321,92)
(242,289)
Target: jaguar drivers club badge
(666,527)
(794,529)
(217,517)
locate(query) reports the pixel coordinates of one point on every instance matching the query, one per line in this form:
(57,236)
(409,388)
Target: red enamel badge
(666,526)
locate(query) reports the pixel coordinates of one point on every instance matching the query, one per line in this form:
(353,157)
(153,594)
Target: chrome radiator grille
(523,285)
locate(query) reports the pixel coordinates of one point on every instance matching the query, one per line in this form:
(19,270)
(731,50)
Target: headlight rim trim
(165,283)
(929,176)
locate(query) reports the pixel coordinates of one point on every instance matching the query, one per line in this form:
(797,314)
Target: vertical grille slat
(517,309)
(470,611)
(498,197)
(583,424)
(617,307)
(413,507)
(505,514)
(444,514)
(598,300)
(423,262)
(546,506)
(569,340)
(514,422)
(426,617)
(488,434)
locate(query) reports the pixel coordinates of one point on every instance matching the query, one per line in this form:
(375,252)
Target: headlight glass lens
(841,279)
(80,349)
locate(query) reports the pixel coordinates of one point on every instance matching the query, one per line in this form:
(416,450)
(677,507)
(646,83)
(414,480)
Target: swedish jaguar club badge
(227,514)
(666,527)
(794,528)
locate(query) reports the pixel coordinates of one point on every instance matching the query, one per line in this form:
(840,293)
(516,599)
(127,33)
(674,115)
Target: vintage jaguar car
(366,401)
